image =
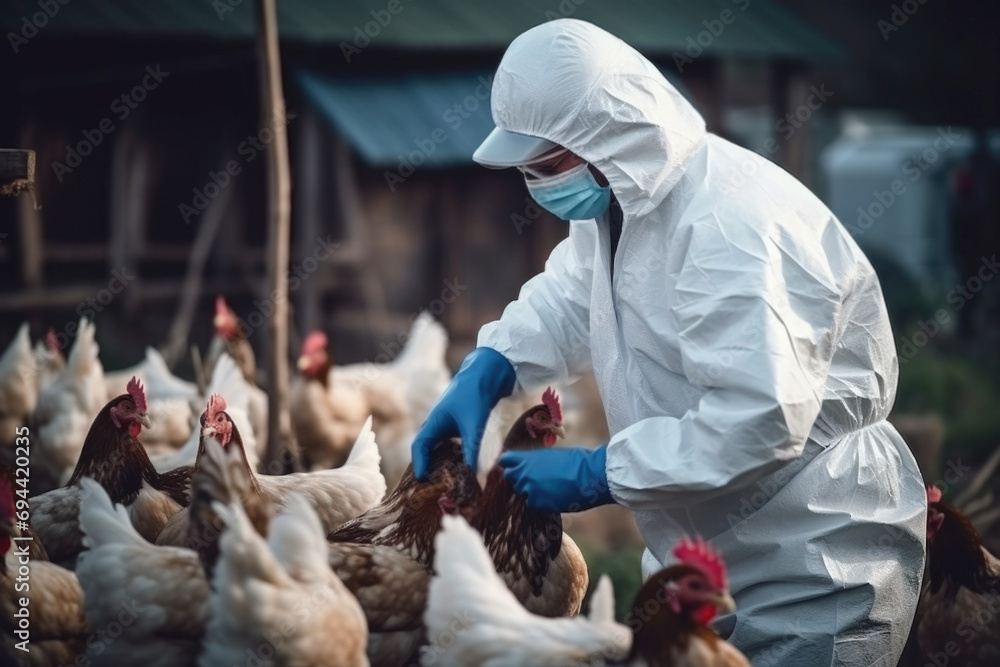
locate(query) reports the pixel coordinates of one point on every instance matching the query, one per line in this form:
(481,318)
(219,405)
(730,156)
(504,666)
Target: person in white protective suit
(740,342)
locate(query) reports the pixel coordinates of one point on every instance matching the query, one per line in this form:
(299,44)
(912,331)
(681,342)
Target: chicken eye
(697,585)
(127,406)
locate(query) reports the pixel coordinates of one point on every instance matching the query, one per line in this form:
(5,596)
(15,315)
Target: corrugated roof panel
(758,28)
(441,118)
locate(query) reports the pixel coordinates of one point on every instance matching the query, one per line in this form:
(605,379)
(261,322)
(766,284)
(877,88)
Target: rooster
(327,400)
(18,384)
(113,456)
(67,406)
(338,495)
(668,620)
(957,616)
(261,586)
(540,563)
(231,339)
(157,595)
(58,627)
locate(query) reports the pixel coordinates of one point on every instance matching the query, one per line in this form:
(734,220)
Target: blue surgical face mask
(571,195)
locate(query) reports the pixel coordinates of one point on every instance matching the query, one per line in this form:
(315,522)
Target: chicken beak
(144,420)
(560,430)
(724,603)
(303,363)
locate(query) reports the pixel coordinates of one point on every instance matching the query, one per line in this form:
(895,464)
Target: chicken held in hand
(540,563)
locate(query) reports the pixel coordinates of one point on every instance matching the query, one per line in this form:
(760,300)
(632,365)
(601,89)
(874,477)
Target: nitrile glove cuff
(492,372)
(596,462)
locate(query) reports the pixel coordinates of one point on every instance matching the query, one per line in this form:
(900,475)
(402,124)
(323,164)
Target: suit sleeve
(545,334)
(755,330)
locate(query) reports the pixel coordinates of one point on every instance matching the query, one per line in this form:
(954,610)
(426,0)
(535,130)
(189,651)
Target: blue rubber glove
(483,379)
(565,479)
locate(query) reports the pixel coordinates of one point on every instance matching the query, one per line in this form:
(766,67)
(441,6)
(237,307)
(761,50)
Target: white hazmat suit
(743,353)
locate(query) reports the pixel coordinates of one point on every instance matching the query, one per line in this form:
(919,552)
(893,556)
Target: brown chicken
(958,616)
(113,456)
(384,556)
(542,565)
(223,474)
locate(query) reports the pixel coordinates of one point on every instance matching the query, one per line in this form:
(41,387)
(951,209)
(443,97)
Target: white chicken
(67,407)
(49,359)
(474,620)
(155,375)
(18,384)
(227,381)
(158,596)
(261,586)
(327,401)
(338,495)
(493,628)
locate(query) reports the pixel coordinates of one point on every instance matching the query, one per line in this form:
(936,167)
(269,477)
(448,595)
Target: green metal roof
(756,28)
(386,120)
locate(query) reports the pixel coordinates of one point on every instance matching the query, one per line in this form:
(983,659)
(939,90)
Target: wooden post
(280,439)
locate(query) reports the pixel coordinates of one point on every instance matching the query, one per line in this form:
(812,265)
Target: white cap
(504,149)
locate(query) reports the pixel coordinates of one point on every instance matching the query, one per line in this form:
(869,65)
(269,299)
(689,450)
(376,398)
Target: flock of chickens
(150,536)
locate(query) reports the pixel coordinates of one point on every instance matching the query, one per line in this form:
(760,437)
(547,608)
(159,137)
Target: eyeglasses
(547,165)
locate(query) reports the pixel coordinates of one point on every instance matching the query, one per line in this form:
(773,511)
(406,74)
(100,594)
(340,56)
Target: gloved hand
(483,379)
(564,479)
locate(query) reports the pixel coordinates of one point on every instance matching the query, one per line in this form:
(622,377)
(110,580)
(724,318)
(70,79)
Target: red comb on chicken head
(547,422)
(225,322)
(130,410)
(701,596)
(313,356)
(217,422)
(935,518)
